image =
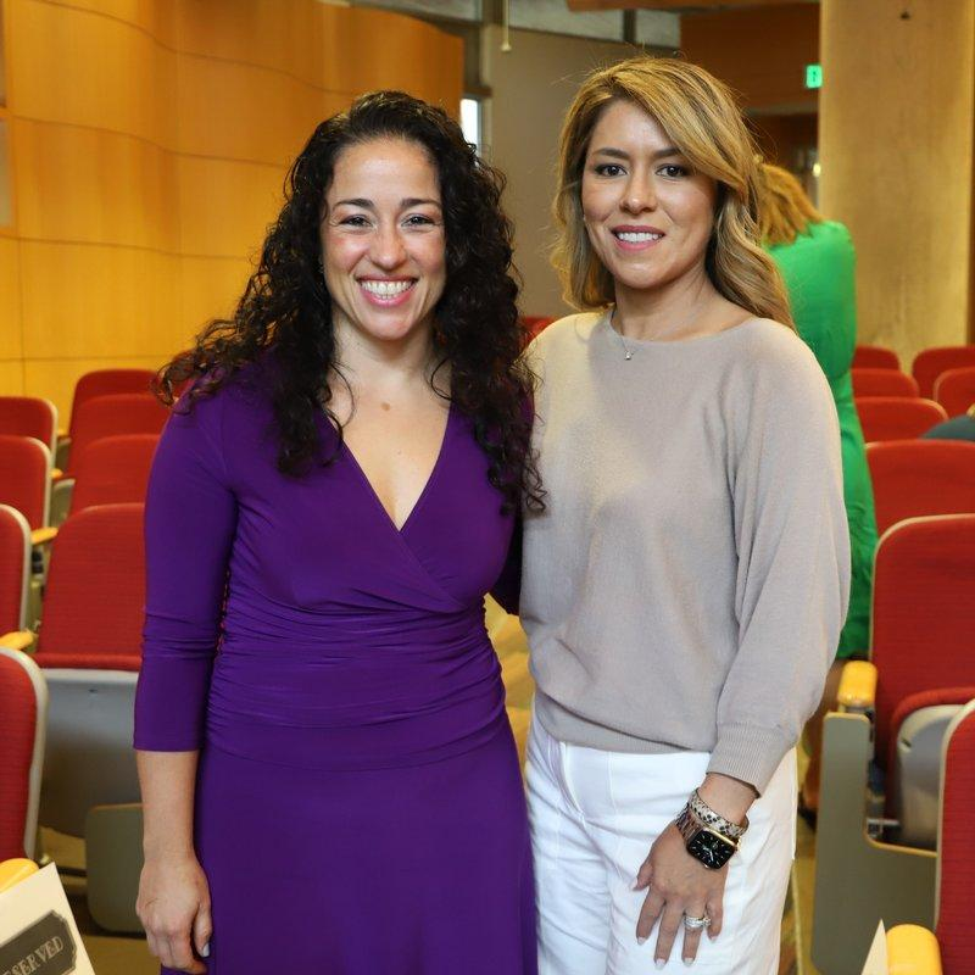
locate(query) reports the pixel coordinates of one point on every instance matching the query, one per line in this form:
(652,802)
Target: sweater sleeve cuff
(750,754)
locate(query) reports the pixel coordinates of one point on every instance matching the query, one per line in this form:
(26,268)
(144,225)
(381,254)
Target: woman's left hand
(679,885)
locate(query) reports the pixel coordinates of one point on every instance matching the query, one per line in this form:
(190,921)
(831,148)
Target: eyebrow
(410,201)
(621,154)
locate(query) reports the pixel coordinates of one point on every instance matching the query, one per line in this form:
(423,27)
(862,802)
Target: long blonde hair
(784,210)
(700,116)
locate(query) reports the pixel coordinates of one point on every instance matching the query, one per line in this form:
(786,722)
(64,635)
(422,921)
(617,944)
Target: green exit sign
(814,76)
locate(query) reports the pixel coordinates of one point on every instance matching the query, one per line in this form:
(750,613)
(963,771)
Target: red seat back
(912,478)
(923,613)
(956,851)
(875,357)
(29,416)
(22,706)
(95,595)
(110,416)
(955,390)
(931,363)
(14,568)
(108,382)
(25,477)
(882,382)
(114,470)
(897,417)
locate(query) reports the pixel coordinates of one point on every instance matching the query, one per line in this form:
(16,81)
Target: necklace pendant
(628,355)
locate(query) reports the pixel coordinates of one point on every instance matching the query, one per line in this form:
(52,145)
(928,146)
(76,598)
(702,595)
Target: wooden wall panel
(226,206)
(78,68)
(81,184)
(151,139)
(241,116)
(11,345)
(11,378)
(209,288)
(418,61)
(258,32)
(90,300)
(155,18)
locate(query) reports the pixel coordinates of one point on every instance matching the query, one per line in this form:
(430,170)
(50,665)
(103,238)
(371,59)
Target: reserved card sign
(877,959)
(38,935)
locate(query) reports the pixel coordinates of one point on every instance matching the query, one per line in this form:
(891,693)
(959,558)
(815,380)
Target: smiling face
(648,215)
(383,242)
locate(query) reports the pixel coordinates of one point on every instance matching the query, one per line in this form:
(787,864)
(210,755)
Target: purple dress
(359,806)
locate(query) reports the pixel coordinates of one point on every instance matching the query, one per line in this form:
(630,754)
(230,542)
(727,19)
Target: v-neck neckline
(431,477)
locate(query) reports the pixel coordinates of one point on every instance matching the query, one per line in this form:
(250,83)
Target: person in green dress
(817,260)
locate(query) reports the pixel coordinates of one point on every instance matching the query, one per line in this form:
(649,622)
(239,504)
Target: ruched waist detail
(403,689)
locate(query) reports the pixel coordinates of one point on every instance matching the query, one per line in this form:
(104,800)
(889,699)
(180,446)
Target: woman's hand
(679,885)
(174,907)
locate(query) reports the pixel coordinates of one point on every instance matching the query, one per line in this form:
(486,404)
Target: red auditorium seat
(89,650)
(956,851)
(29,416)
(922,648)
(109,416)
(536,323)
(921,477)
(882,382)
(897,417)
(113,470)
(95,593)
(875,357)
(923,634)
(954,389)
(108,382)
(25,478)
(23,704)
(15,554)
(931,363)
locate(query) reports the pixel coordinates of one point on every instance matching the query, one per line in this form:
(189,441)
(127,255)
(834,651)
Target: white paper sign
(38,934)
(877,959)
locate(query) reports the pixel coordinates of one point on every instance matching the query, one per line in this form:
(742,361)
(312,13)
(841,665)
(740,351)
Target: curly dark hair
(286,308)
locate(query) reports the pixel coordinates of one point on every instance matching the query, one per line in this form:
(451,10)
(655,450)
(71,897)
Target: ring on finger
(696,923)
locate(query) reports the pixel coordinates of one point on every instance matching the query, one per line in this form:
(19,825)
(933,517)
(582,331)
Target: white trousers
(594,816)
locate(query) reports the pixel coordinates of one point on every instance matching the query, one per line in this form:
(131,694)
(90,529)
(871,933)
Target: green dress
(819,271)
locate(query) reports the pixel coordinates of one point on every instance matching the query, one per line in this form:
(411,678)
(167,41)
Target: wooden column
(896,142)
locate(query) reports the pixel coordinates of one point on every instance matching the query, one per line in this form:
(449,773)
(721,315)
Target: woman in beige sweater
(685,587)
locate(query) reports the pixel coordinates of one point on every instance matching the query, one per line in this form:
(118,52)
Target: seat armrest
(14,871)
(913,950)
(17,640)
(43,536)
(858,686)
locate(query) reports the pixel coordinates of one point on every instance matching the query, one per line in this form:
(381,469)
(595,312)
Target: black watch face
(712,850)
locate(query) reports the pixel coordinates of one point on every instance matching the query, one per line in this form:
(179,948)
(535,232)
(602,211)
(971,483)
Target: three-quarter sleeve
(792,583)
(191,517)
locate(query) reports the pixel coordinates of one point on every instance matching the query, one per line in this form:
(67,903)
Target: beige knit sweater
(685,588)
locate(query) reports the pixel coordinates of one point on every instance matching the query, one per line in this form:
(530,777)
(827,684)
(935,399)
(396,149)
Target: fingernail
(688,962)
(641,941)
(205,953)
(660,962)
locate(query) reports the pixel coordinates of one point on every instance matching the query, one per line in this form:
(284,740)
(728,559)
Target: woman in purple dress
(330,782)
